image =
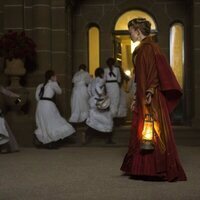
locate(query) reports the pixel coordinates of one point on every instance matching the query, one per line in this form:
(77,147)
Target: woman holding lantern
(152,153)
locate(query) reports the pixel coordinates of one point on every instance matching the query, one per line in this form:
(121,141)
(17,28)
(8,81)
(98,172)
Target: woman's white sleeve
(99,89)
(37,92)
(88,78)
(118,76)
(8,92)
(89,89)
(56,87)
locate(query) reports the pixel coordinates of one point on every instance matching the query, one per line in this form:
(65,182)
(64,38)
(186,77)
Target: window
(93,38)
(123,20)
(177,51)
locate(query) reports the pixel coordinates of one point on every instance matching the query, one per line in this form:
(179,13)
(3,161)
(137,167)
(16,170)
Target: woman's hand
(133,103)
(17,95)
(18,100)
(148,98)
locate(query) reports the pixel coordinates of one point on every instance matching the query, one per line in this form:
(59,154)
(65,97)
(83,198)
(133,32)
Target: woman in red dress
(158,93)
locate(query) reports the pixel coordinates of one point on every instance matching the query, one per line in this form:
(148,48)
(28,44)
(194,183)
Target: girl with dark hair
(99,119)
(157,94)
(122,109)
(113,78)
(8,142)
(51,127)
(80,97)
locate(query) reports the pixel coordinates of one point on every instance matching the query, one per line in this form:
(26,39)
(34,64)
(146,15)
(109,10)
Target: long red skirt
(153,165)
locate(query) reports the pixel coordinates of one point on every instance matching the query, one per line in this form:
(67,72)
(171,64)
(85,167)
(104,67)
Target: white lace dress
(112,86)
(80,97)
(51,126)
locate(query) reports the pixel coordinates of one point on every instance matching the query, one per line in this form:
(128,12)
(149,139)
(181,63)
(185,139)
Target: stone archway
(123,44)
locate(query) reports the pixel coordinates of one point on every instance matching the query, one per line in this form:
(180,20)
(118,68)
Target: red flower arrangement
(18,45)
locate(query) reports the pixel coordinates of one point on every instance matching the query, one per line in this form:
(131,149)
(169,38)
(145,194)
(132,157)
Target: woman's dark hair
(83,67)
(48,75)
(110,62)
(142,24)
(99,72)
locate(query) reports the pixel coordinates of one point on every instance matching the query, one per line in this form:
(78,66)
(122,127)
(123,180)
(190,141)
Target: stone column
(1,18)
(13,19)
(58,24)
(1,32)
(58,36)
(28,18)
(69,64)
(196,62)
(13,15)
(42,33)
(188,70)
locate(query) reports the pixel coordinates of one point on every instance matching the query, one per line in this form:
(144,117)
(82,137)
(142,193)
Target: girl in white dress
(99,121)
(51,127)
(113,78)
(80,97)
(8,142)
(131,89)
(122,111)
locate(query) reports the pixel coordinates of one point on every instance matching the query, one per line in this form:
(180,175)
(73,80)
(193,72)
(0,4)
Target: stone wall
(1,32)
(105,14)
(46,21)
(59,28)
(196,62)
(1,17)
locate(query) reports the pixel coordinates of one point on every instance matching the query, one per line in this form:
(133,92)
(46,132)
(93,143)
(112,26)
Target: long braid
(110,62)
(48,76)
(111,70)
(42,89)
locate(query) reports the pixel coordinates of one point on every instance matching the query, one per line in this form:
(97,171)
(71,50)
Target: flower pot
(15,69)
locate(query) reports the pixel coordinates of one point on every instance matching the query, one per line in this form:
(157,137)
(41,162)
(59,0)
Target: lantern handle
(148,116)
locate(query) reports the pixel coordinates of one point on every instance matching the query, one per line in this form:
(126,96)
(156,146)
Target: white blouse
(81,77)
(97,88)
(50,89)
(109,77)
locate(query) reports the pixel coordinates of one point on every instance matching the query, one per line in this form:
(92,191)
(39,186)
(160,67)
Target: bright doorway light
(128,72)
(134,45)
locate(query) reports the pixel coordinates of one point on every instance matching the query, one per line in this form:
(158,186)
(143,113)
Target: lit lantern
(148,133)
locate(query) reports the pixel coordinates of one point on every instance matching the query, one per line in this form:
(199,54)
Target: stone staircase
(187,136)
(184,135)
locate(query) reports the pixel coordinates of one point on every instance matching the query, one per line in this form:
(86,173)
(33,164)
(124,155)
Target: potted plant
(19,53)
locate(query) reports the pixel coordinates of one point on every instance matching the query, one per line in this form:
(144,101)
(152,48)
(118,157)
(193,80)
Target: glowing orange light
(148,133)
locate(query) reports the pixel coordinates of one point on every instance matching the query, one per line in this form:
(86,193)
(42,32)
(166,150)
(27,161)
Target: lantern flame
(148,133)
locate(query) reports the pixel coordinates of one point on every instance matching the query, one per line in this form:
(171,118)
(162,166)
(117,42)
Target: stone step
(183,135)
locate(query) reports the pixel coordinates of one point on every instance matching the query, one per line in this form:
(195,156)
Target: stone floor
(89,173)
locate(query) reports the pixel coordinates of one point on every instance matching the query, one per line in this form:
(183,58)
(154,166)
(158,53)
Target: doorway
(124,47)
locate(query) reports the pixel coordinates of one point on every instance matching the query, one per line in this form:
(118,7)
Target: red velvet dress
(152,72)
